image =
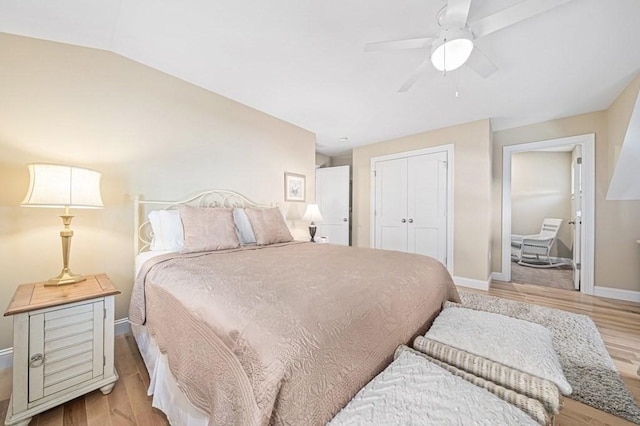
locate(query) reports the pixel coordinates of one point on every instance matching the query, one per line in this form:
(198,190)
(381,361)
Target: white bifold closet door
(391,205)
(411,205)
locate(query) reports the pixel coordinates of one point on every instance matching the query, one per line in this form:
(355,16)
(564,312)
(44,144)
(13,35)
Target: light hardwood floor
(618,322)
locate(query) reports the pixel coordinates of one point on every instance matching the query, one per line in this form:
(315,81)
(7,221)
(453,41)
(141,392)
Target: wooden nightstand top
(29,297)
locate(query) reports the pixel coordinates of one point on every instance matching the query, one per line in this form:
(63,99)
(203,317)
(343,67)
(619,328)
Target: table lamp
(58,186)
(313,215)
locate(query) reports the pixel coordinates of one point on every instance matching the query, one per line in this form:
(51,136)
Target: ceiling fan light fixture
(452,49)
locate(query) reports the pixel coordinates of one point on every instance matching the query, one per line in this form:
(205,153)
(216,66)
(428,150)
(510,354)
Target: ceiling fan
(454,45)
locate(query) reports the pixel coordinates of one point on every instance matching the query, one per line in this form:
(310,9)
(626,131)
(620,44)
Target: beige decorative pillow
(268,226)
(208,229)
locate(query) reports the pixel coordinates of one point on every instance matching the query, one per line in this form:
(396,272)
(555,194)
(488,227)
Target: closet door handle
(410,220)
(345,220)
(403,220)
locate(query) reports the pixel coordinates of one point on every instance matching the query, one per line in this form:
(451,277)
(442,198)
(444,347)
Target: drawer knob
(36,360)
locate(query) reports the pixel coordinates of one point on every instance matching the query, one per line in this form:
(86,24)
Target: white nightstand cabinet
(62,344)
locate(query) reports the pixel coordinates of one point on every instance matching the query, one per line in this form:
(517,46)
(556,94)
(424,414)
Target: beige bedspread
(285,334)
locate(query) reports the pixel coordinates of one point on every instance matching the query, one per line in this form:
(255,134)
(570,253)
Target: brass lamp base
(65,277)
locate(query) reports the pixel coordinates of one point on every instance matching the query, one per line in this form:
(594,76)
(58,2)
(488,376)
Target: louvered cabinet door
(66,349)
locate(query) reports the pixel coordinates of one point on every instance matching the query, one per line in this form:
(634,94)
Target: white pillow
(515,343)
(243,227)
(168,234)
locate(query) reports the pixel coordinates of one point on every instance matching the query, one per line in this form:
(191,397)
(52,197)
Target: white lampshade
(63,186)
(312,214)
(452,49)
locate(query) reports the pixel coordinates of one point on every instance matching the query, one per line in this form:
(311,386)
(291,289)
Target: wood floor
(617,321)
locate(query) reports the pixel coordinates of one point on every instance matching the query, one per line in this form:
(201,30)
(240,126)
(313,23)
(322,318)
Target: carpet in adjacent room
(558,277)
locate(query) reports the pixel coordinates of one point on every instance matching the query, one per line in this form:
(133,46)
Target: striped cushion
(534,387)
(532,407)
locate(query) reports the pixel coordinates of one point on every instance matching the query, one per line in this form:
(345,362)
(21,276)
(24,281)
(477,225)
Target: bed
(281,333)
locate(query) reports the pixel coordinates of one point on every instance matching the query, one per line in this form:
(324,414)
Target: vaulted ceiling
(303,61)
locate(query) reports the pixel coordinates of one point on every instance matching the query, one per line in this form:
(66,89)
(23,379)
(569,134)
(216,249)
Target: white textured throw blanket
(414,391)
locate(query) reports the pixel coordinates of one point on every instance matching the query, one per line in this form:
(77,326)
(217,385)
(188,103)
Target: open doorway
(542,217)
(548,196)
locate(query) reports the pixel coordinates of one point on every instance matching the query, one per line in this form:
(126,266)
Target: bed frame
(143,234)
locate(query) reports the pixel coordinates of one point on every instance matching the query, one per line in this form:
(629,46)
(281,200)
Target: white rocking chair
(527,249)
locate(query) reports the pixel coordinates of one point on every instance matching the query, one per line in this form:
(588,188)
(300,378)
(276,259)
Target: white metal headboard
(212,198)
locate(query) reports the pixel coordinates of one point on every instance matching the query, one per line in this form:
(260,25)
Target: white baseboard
(497,276)
(471,283)
(6,358)
(616,293)
(122,326)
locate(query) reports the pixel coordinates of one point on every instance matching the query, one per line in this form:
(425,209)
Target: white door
(427,205)
(576,190)
(411,205)
(391,205)
(332,197)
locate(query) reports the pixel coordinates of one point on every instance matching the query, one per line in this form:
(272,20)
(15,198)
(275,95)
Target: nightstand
(62,344)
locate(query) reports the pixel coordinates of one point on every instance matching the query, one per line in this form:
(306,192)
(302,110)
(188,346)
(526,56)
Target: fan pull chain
(444,58)
(457,82)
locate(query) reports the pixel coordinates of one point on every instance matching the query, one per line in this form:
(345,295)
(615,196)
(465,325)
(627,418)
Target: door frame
(450,165)
(587,142)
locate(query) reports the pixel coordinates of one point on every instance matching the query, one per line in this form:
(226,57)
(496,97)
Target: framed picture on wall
(294,185)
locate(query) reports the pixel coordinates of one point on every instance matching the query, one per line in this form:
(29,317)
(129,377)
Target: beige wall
(541,188)
(147,132)
(342,160)
(322,160)
(472,194)
(326,161)
(619,221)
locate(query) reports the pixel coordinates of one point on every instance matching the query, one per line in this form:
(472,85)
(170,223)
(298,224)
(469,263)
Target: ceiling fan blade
(512,15)
(419,72)
(480,63)
(457,12)
(410,43)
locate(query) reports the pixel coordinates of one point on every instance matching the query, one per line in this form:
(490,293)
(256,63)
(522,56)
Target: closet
(410,206)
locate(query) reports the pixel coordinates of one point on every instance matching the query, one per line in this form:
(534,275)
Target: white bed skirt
(167,396)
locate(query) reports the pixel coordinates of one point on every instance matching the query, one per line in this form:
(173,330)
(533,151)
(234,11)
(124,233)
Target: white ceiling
(303,61)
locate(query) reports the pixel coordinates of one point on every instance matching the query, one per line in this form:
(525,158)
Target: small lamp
(312,214)
(63,186)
